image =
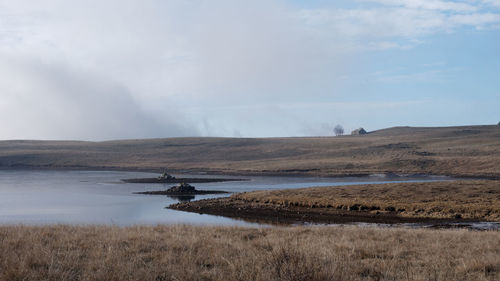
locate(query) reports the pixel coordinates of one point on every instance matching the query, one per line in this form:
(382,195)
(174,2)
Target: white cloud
(114,69)
(428,5)
(167,54)
(55,101)
(476,20)
(393,19)
(492,2)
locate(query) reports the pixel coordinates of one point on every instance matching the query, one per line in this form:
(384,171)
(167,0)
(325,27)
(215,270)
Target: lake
(99,197)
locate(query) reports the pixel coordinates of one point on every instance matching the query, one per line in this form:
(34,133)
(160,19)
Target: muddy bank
(277,214)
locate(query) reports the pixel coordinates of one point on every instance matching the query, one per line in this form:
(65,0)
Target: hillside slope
(459,151)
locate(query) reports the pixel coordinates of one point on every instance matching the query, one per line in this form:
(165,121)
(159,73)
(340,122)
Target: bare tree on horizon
(338,130)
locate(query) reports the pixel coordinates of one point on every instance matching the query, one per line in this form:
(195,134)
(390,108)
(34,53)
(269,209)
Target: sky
(120,69)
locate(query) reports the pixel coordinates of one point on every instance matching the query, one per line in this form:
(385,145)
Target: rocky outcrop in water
(182,189)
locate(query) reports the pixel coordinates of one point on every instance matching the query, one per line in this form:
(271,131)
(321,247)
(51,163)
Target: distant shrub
(338,130)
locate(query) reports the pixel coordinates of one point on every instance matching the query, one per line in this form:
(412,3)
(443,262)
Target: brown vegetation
(215,253)
(459,151)
(448,199)
(392,202)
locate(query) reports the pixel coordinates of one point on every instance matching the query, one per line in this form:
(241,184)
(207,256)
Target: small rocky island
(182,189)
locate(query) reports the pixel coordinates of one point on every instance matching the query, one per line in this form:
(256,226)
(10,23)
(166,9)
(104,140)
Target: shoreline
(293,215)
(295,173)
(437,202)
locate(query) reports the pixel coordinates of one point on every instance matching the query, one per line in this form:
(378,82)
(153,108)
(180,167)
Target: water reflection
(182,198)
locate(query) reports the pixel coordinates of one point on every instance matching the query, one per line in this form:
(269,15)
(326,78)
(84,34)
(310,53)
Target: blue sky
(97,70)
(452,78)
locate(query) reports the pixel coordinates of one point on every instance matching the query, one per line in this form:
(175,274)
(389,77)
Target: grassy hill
(459,151)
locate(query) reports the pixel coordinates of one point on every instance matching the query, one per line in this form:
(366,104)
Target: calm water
(99,197)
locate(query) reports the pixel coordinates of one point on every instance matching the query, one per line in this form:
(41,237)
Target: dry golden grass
(216,253)
(449,199)
(464,151)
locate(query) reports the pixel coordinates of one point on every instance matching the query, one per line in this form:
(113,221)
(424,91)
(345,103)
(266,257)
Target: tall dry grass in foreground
(216,253)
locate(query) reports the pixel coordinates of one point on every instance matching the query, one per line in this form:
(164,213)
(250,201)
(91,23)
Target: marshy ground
(225,253)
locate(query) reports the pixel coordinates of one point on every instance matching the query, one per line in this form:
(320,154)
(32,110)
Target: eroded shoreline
(390,203)
(289,215)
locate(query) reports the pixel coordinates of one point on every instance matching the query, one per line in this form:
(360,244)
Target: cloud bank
(126,69)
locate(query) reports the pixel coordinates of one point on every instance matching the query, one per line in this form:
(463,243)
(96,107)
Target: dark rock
(354,207)
(182,187)
(183,191)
